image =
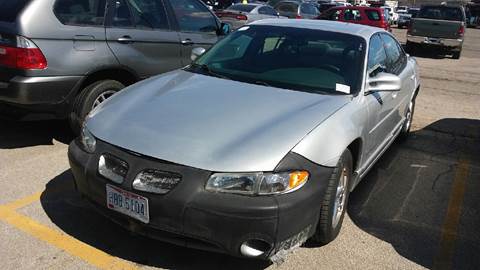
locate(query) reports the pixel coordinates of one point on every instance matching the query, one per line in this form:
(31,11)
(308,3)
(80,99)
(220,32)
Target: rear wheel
(89,98)
(407,124)
(334,205)
(456,54)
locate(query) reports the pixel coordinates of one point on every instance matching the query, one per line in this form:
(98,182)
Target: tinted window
(351,15)
(193,16)
(267,11)
(333,15)
(441,13)
(373,15)
(395,55)
(9,9)
(149,14)
(287,7)
(242,7)
(285,57)
(376,54)
(308,9)
(413,12)
(80,12)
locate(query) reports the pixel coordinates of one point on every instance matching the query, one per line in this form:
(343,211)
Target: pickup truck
(438,26)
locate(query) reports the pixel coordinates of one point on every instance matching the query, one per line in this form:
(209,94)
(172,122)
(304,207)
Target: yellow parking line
(444,257)
(23,201)
(58,239)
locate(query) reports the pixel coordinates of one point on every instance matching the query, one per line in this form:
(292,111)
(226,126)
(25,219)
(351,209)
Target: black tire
(410,48)
(327,229)
(456,54)
(85,100)
(407,124)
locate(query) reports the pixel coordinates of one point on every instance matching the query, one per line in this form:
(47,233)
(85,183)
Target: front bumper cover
(191,216)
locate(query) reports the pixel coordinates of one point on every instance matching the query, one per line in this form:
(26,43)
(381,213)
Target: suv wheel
(334,204)
(89,98)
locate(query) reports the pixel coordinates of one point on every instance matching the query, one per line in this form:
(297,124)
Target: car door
(380,104)
(196,25)
(398,64)
(140,35)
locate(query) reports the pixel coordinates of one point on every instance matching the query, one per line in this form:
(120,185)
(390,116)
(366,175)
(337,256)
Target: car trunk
(436,28)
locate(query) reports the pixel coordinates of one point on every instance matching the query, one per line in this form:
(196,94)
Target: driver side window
(376,54)
(192,16)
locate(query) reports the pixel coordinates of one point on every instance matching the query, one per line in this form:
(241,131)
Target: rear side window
(193,16)
(373,15)
(80,12)
(352,15)
(9,9)
(142,14)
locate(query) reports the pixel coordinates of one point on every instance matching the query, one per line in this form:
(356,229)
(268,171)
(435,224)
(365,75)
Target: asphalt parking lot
(419,207)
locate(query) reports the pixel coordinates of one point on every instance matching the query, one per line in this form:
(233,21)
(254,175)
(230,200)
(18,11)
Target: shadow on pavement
(404,198)
(76,217)
(24,134)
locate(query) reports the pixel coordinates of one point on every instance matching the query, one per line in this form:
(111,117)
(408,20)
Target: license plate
(128,203)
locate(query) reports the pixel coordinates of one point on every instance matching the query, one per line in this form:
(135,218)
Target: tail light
(25,55)
(241,17)
(461,31)
(298,16)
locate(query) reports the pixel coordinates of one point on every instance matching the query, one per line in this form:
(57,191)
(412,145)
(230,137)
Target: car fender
(325,144)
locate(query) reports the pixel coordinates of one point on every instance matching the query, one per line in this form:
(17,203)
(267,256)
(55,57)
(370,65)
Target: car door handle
(187,42)
(125,40)
(412,77)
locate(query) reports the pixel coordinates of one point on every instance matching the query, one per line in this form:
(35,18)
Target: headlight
(87,140)
(112,168)
(257,183)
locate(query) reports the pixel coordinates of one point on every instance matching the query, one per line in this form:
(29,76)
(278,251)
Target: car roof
(325,25)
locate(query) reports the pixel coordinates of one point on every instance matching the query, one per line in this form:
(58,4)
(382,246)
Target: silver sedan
(254,147)
(238,15)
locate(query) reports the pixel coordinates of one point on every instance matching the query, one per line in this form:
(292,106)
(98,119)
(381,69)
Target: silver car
(254,147)
(238,15)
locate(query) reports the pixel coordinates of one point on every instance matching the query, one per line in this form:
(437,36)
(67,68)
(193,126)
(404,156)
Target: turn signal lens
(297,179)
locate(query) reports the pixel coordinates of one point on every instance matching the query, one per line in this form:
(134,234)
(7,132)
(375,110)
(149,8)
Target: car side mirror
(196,52)
(225,29)
(383,82)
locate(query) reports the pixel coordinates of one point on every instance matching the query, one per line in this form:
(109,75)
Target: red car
(361,15)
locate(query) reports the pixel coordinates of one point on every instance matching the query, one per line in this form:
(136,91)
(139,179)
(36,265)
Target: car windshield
(242,7)
(286,57)
(441,13)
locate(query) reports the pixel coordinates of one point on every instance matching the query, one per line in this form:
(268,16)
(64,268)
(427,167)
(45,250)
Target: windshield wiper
(206,69)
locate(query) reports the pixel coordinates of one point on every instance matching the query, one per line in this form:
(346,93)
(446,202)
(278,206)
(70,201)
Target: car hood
(210,123)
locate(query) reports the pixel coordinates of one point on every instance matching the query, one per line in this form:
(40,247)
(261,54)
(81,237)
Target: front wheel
(334,205)
(89,98)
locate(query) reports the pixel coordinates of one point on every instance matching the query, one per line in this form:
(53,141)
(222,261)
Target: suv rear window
(80,12)
(441,13)
(9,9)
